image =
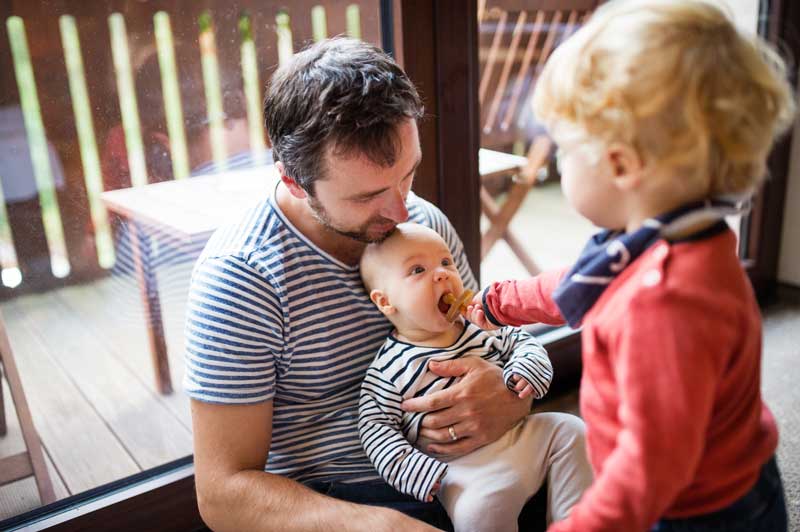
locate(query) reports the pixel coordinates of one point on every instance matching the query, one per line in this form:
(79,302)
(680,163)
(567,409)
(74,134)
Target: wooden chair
(508,78)
(30,462)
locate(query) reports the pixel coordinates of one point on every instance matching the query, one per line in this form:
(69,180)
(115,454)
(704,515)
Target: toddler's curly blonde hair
(679,82)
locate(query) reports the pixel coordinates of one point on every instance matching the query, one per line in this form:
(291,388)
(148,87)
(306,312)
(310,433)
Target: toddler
(408,276)
(664,114)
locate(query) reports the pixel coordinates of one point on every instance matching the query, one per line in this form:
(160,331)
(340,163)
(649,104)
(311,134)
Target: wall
(789,261)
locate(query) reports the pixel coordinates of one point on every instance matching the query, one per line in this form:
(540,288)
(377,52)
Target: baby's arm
(518,302)
(406,468)
(528,370)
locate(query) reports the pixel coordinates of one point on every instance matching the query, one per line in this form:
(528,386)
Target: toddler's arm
(518,302)
(405,467)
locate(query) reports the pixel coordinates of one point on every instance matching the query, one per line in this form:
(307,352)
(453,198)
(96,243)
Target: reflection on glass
(353,21)
(127,100)
(40,152)
(172,96)
(319,24)
(284,32)
(252,87)
(86,138)
(112,107)
(10,275)
(208,58)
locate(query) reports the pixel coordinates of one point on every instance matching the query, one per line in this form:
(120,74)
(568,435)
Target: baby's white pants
(485,490)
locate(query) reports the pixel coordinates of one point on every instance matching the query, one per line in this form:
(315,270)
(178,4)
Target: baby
(408,277)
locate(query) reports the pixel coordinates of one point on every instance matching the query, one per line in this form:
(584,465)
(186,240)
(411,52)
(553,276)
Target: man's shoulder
(259,228)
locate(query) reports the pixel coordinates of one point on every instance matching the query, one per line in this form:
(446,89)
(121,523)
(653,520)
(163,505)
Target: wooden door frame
(761,232)
(438,40)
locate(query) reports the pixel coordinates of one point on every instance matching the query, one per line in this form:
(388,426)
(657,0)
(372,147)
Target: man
(280,331)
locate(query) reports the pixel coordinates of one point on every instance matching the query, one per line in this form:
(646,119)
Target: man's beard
(361,235)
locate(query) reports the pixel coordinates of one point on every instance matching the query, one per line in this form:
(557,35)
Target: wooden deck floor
(83,359)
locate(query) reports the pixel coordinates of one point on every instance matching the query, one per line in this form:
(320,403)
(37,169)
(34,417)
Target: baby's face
(417,271)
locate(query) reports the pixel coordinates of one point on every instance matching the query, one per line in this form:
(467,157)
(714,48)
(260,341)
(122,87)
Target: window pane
(126,136)
(527,224)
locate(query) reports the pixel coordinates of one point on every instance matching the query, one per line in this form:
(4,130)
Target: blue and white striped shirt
(272,317)
(400,372)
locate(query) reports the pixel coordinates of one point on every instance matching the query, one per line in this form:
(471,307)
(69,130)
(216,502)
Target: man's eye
(366,199)
(416,270)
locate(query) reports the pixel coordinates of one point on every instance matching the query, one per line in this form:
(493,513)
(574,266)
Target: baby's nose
(441,274)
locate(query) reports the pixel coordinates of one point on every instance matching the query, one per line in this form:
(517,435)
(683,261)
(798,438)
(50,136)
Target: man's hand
(473,412)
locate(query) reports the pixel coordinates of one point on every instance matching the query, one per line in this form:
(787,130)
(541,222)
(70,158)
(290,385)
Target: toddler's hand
(521,386)
(476,315)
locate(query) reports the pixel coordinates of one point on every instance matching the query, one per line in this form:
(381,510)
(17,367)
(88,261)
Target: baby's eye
(447,262)
(416,270)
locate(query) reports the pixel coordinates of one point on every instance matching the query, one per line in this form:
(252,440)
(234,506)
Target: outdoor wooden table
(185,212)
(493,164)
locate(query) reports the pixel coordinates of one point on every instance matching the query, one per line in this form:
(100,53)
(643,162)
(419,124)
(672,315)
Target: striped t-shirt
(272,317)
(399,372)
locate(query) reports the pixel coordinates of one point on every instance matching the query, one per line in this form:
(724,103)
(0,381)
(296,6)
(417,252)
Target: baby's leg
(485,491)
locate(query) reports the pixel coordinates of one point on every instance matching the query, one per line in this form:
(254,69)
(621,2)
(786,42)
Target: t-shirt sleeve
(380,418)
(233,333)
(525,356)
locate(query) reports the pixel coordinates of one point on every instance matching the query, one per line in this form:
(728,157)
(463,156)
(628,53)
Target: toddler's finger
(526,392)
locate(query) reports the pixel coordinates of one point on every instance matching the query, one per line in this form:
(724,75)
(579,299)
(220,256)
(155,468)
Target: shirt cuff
(487,312)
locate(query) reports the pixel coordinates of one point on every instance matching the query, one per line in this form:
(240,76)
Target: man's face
(362,200)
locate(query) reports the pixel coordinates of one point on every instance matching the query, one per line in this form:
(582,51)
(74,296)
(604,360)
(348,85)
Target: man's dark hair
(342,93)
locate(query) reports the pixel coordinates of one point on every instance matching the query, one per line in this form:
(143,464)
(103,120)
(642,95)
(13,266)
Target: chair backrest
(516,38)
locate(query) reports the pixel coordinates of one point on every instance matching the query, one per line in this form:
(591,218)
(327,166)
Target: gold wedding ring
(452,432)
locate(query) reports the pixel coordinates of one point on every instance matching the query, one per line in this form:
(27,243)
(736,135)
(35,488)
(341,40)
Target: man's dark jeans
(378,493)
(762,509)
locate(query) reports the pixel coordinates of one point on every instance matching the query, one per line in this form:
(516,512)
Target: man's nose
(395,208)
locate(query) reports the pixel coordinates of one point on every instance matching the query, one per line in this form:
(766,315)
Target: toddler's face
(417,271)
(586,178)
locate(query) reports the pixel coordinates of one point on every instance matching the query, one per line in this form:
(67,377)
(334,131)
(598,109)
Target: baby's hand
(434,490)
(521,386)
(476,315)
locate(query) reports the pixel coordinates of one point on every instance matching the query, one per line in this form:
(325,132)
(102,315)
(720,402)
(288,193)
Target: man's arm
(234,493)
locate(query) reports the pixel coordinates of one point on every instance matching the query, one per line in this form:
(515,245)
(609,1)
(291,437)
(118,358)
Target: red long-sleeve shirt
(670,391)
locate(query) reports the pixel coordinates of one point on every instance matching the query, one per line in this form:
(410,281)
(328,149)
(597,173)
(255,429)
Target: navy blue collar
(609,252)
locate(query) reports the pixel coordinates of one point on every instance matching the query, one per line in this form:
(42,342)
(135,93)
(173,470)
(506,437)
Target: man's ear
(381,301)
(625,165)
(289,182)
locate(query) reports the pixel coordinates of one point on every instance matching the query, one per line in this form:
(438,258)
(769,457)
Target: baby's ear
(381,301)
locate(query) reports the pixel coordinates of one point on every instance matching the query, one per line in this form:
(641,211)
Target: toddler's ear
(381,301)
(625,164)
